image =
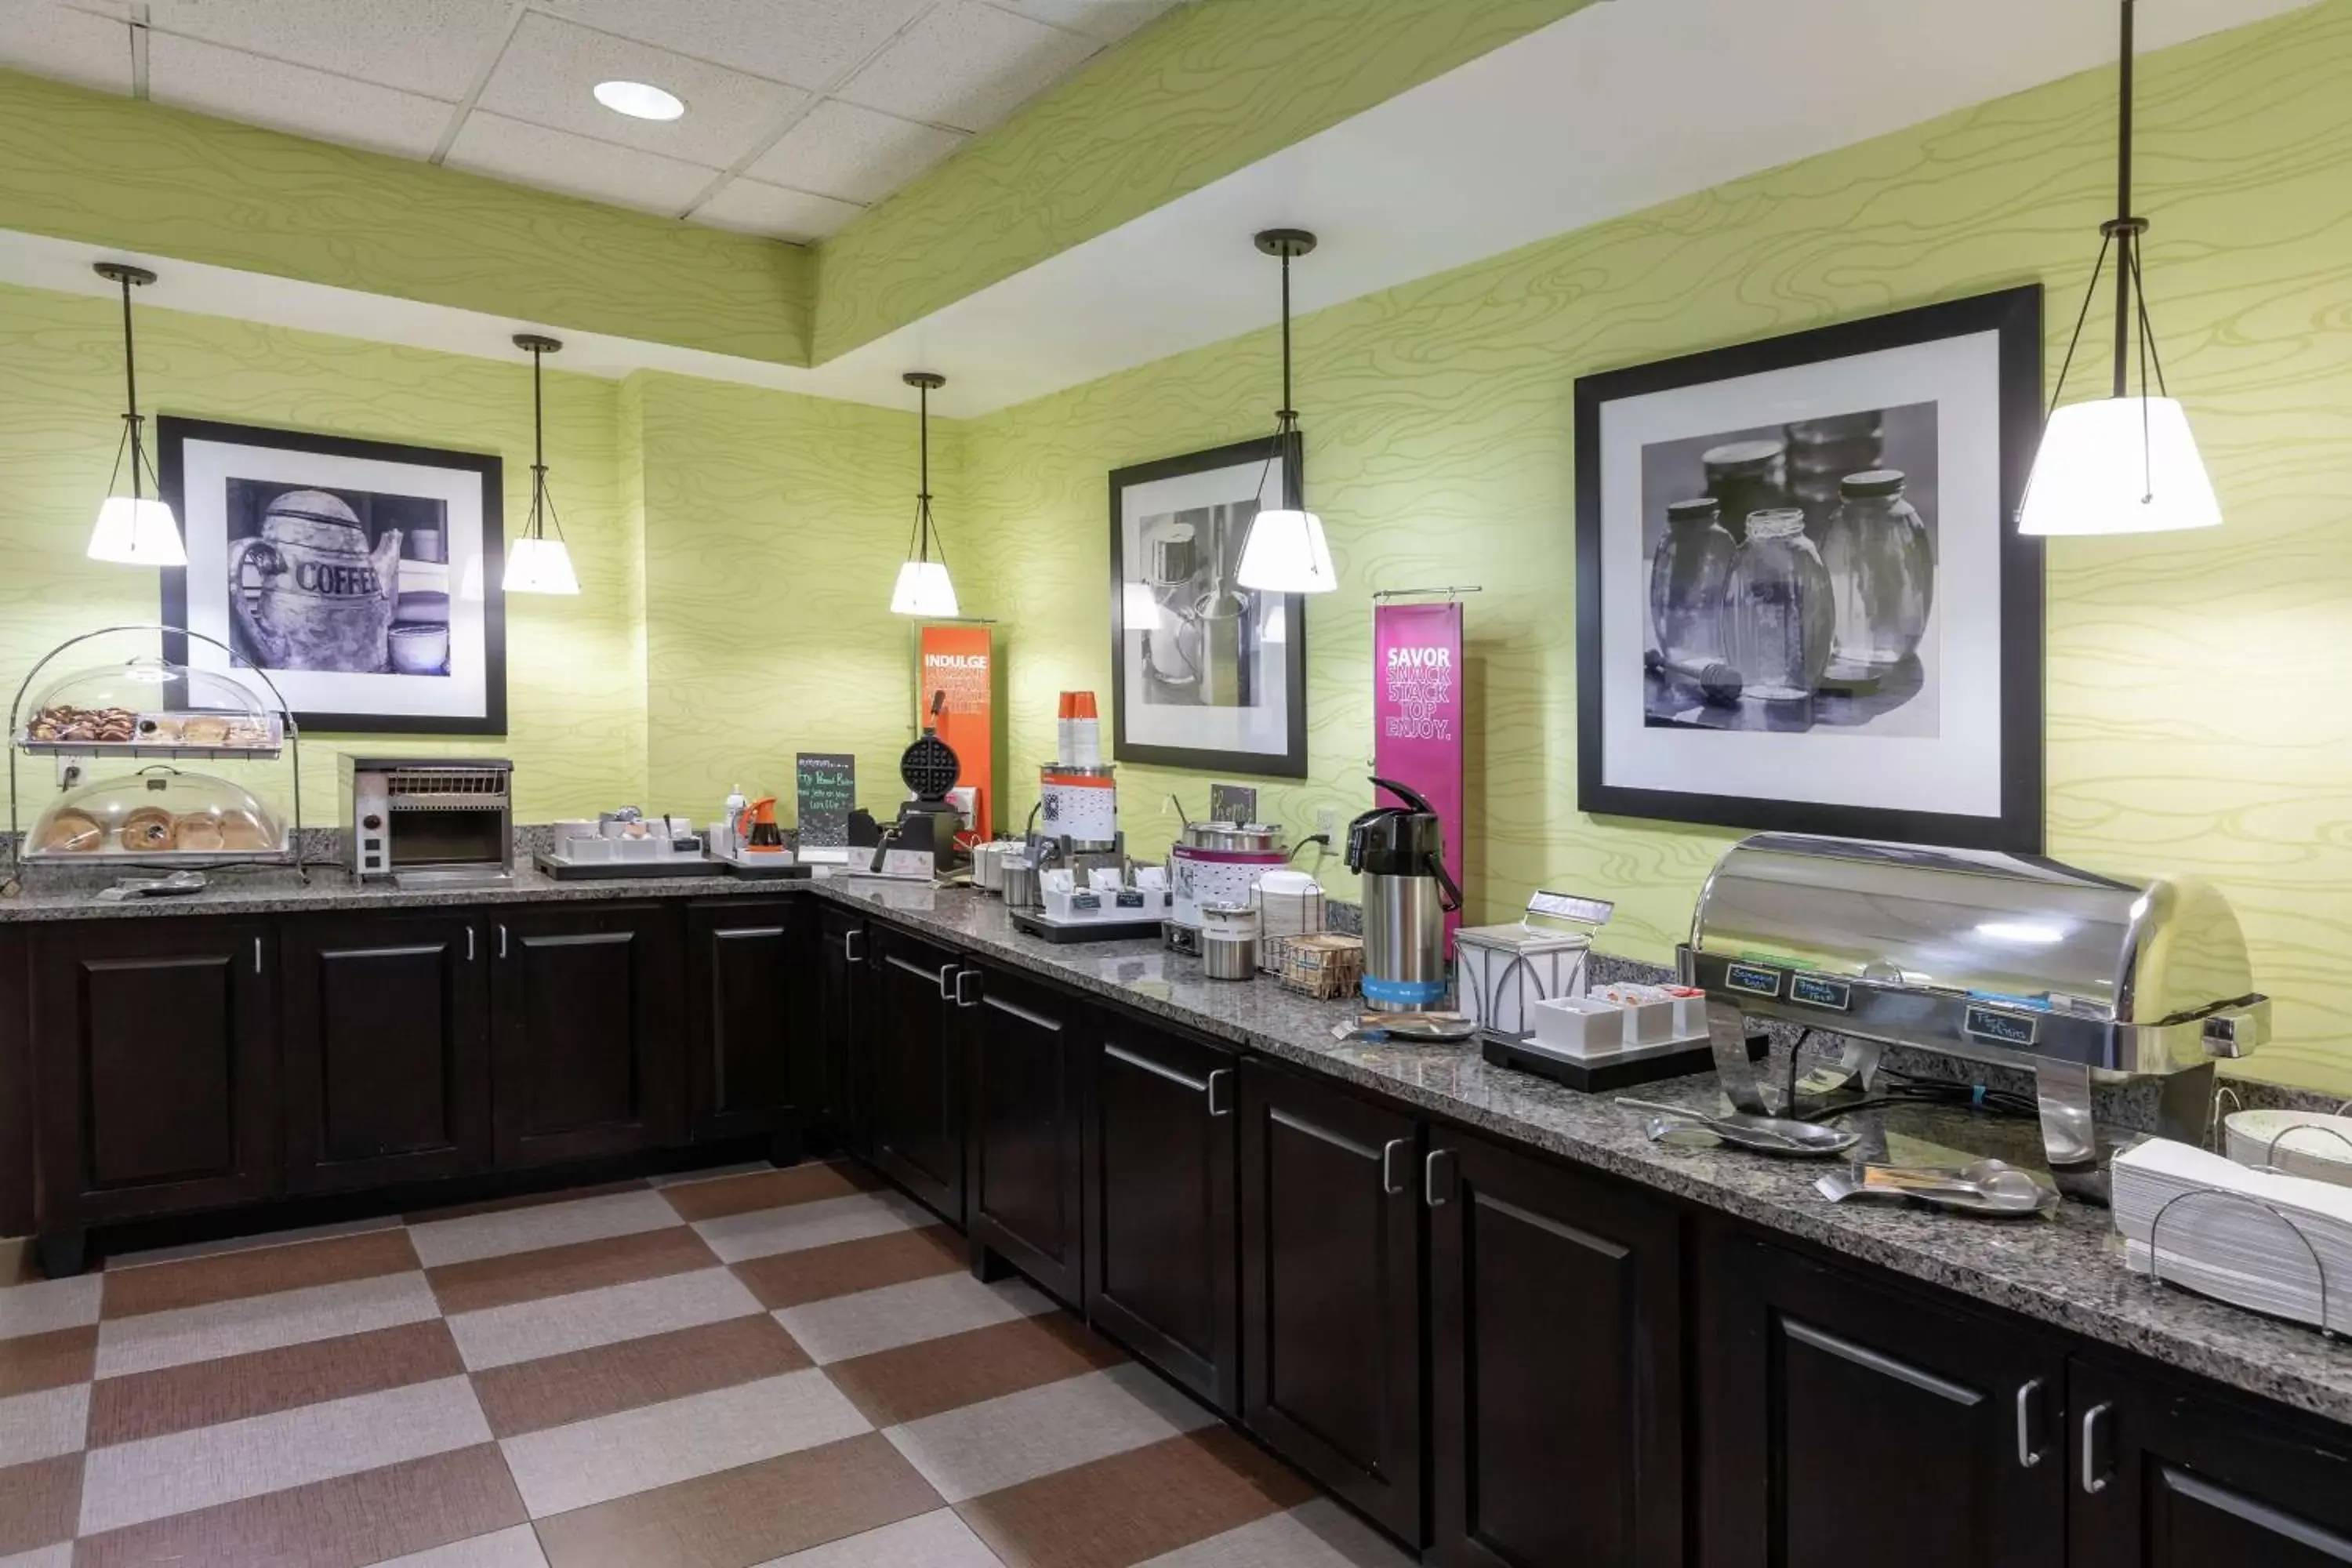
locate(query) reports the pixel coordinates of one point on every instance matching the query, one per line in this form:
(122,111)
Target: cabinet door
(2167,1480)
(585,1060)
(1555,1339)
(1160,1239)
(1852,1424)
(1028,1048)
(1331,1305)
(387,1051)
(917,1079)
(156,1061)
(747,1030)
(843,965)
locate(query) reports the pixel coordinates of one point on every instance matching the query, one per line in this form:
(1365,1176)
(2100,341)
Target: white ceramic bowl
(2279,1139)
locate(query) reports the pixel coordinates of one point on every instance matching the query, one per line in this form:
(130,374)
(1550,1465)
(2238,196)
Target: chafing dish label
(1995,1023)
(1749,978)
(1816,992)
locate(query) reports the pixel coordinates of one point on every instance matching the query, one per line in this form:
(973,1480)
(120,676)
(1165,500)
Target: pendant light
(1285,551)
(536,563)
(136,529)
(924,588)
(2119,463)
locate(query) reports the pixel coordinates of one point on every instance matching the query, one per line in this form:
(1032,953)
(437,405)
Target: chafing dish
(2078,977)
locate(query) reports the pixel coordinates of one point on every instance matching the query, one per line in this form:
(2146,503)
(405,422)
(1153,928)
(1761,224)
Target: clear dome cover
(144,704)
(158,811)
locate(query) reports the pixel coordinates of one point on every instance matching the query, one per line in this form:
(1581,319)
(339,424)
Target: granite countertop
(2068,1270)
(276,889)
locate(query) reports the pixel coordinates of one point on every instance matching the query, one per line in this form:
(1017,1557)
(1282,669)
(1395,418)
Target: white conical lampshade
(137,533)
(924,590)
(1286,554)
(2118,465)
(538,567)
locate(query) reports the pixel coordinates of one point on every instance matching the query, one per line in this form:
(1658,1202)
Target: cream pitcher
(308,594)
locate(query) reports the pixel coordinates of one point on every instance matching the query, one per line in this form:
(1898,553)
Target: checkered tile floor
(763,1367)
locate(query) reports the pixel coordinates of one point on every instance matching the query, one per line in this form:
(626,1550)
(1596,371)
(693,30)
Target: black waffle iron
(930,821)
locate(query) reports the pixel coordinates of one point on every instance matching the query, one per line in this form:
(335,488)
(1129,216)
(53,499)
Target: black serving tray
(1602,1076)
(627,870)
(1143,928)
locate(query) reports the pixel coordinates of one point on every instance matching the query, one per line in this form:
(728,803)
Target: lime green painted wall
(90,166)
(1206,89)
(575,681)
(2195,721)
(774,526)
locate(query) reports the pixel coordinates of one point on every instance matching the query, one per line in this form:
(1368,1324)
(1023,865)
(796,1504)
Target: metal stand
(2156,1257)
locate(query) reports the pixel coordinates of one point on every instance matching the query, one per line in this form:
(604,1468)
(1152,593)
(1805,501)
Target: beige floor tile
(1004,1442)
(504,1336)
(515,1548)
(762,1233)
(594,1461)
(49,1304)
(135,1482)
(59,1555)
(445,1241)
(43,1424)
(938,1540)
(1318,1534)
(240,1327)
(898,1315)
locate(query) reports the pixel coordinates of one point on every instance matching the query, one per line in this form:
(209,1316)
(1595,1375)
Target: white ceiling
(799,113)
(1525,142)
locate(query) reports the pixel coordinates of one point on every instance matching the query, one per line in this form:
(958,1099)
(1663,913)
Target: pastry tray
(159,750)
(280,855)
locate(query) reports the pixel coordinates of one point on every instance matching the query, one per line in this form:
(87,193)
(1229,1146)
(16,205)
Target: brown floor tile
(526,1201)
(820,1273)
(342,1523)
(514,1277)
(39,1503)
(911,1382)
(531,1396)
(32,1362)
(745,1515)
(196,1281)
(205,1393)
(1136,1505)
(767,1190)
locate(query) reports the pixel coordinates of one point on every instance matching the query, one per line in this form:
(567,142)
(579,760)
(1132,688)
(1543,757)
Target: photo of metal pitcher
(308,592)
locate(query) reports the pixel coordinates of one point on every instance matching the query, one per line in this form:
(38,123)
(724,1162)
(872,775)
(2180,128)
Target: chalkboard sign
(825,786)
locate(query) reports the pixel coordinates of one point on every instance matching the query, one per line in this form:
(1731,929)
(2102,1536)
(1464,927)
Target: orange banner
(960,661)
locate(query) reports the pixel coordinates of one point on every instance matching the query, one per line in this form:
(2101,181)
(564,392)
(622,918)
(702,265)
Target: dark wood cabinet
(387,1055)
(840,966)
(155,1069)
(2165,1479)
(915,1113)
(18,1215)
(1028,1048)
(585,1057)
(1331,1300)
(1159,1255)
(747,1023)
(1556,1364)
(1846,1423)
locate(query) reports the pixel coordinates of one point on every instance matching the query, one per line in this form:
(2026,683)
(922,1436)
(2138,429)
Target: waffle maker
(930,821)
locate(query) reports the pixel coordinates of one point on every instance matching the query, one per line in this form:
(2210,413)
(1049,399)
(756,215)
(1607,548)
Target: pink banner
(1417,713)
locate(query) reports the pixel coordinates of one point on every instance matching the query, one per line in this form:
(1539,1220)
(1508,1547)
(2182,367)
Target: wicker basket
(1326,966)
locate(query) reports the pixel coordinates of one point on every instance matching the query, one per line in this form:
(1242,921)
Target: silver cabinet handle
(2028,1455)
(502,938)
(256,955)
(1053,1025)
(1432,1193)
(1389,1152)
(853,945)
(947,983)
(469,942)
(1223,1075)
(960,999)
(2094,1482)
(1120,1054)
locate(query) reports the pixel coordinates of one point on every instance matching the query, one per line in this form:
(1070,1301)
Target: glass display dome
(146,706)
(158,812)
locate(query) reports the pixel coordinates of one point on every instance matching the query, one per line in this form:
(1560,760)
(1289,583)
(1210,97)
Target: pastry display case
(146,706)
(159,813)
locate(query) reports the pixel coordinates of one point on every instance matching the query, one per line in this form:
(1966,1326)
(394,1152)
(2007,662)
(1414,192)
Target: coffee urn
(1400,853)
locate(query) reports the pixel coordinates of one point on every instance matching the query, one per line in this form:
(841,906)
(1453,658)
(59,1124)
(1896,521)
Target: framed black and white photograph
(1802,603)
(1210,675)
(363,576)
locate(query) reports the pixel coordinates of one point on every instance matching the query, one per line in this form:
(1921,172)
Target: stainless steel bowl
(1228,957)
(1022,889)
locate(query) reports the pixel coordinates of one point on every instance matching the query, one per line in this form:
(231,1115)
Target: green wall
(2194,722)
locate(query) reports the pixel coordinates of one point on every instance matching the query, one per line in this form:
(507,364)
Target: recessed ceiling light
(639,100)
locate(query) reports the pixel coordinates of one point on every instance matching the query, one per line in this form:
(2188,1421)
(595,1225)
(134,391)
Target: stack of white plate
(2299,1143)
(1290,903)
(2276,1244)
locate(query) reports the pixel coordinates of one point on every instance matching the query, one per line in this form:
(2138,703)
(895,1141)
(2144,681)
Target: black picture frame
(174,433)
(1292,762)
(2015,316)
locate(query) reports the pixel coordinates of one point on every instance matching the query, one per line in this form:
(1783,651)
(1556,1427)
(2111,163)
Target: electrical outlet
(1326,820)
(69,773)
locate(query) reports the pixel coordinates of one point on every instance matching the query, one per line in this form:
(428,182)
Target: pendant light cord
(133,443)
(1285,418)
(926,532)
(542,504)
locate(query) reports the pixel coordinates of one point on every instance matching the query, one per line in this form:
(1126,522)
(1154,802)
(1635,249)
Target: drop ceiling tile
(967,65)
(234,85)
(436,48)
(808,43)
(1108,20)
(759,209)
(43,39)
(550,68)
(576,166)
(856,154)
